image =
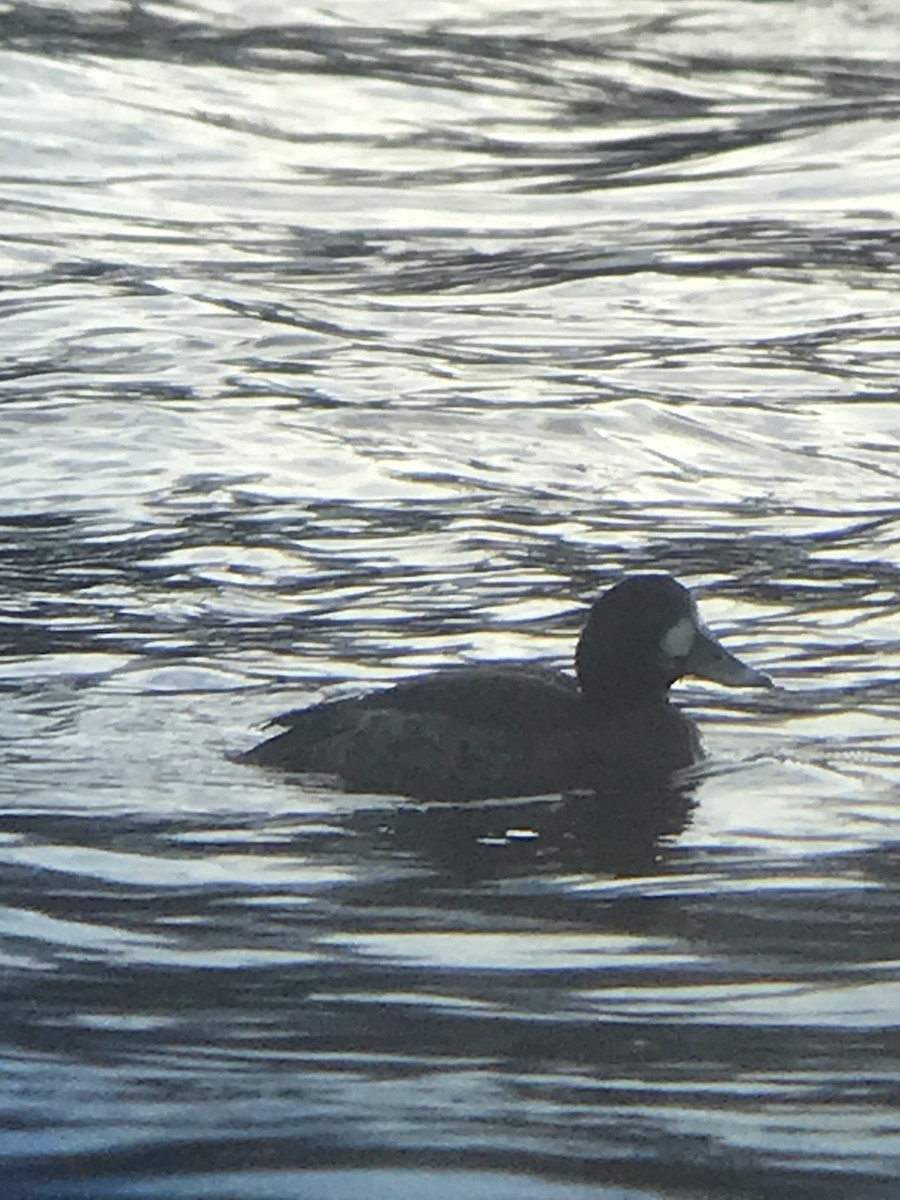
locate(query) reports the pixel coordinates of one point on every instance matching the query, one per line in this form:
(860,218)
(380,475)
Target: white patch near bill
(678,641)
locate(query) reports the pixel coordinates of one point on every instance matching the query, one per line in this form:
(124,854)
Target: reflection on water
(335,352)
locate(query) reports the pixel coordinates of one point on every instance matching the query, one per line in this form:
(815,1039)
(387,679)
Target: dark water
(344,345)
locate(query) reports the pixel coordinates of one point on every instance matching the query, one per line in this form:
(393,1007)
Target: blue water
(335,346)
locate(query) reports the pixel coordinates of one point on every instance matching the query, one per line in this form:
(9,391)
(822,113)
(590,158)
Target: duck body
(476,732)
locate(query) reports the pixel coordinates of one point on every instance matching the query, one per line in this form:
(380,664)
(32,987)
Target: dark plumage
(475,732)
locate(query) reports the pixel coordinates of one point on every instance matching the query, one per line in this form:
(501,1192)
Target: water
(334,350)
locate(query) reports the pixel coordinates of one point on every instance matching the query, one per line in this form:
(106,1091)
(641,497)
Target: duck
(490,731)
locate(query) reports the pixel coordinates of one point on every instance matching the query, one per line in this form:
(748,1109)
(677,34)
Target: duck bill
(708,659)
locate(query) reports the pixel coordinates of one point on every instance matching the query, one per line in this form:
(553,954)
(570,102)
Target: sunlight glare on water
(339,346)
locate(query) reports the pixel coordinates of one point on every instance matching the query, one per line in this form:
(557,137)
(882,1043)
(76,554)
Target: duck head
(641,636)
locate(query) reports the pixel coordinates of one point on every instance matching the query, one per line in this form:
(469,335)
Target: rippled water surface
(340,343)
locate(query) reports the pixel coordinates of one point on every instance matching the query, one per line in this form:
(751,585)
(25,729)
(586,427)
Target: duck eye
(677,641)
